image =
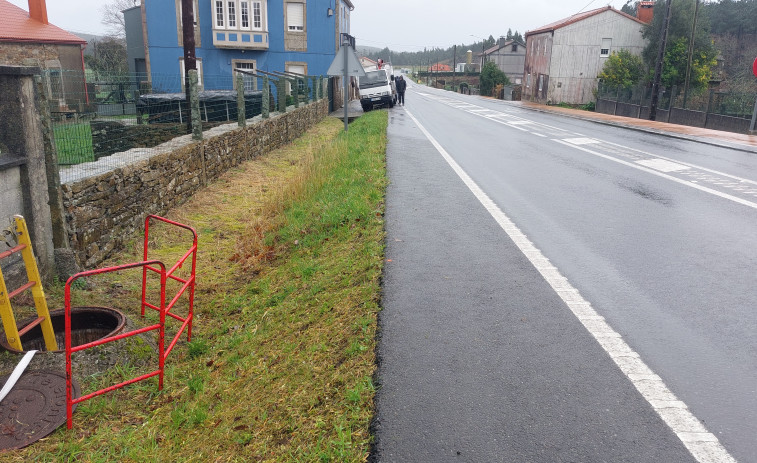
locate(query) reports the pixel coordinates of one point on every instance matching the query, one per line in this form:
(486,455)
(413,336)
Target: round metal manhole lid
(33,409)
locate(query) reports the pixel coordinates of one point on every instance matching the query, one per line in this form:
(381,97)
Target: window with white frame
(199,72)
(245,15)
(297,69)
(250,81)
(605,50)
(295,17)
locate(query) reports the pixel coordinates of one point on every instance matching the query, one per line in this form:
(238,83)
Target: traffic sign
(354,68)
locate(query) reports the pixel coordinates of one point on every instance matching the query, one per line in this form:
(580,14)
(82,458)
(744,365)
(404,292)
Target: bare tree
(113,17)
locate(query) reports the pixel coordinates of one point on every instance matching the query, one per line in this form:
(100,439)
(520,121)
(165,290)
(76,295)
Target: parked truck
(377,88)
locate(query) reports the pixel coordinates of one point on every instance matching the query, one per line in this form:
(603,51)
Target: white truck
(377,87)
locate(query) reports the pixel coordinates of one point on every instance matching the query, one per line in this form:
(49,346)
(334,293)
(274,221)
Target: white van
(377,88)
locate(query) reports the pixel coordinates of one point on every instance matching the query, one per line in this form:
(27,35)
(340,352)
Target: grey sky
(402,25)
(410,25)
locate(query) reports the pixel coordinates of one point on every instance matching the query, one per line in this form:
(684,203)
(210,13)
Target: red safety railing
(186,283)
(160,327)
(164,310)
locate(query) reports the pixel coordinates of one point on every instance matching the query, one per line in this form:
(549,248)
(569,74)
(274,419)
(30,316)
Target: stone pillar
(194,105)
(265,103)
(65,258)
(281,92)
(21,135)
(241,117)
(296,91)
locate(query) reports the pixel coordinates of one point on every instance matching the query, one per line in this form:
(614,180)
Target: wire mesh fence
(710,101)
(94,118)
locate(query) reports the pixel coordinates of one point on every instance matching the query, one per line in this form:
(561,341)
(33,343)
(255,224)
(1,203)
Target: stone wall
(110,137)
(105,211)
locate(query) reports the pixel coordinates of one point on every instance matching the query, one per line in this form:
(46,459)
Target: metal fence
(707,108)
(97,116)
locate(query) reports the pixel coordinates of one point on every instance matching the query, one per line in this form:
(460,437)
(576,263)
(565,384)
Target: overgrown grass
(281,362)
(74,143)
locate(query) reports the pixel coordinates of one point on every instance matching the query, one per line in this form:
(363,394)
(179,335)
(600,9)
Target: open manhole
(87,324)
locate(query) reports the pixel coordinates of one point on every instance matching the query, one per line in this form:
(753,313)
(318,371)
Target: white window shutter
(296,16)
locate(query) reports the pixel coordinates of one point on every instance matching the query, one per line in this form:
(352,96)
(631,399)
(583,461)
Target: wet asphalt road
(480,360)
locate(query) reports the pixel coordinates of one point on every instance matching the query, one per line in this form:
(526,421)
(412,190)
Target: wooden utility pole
(190,59)
(658,67)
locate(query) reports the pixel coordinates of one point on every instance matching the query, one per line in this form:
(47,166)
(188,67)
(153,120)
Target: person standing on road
(401,86)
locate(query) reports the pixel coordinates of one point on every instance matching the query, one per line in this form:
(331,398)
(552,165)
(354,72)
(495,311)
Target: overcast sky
(402,25)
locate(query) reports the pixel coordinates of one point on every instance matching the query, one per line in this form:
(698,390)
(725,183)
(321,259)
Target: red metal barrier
(163,309)
(188,283)
(160,327)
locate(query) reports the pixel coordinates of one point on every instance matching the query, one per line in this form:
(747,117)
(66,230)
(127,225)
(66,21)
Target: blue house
(300,36)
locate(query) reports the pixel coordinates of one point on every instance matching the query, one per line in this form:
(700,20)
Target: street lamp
(483,41)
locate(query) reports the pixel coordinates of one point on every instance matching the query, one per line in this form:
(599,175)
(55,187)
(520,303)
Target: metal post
(241,116)
(346,77)
(709,108)
(314,81)
(754,117)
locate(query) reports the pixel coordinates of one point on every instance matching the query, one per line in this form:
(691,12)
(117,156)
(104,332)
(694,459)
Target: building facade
(300,36)
(510,58)
(564,58)
(28,39)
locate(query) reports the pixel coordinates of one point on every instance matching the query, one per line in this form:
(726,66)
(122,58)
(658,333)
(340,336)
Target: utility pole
(691,55)
(658,67)
(190,60)
(454,68)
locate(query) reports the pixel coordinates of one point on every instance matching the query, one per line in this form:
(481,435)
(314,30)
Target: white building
(564,58)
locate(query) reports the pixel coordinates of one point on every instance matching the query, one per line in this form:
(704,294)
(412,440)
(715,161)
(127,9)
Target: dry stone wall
(105,210)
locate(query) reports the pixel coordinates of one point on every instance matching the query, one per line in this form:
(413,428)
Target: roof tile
(17,26)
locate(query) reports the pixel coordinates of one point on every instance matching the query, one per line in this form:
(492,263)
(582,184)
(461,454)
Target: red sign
(754,67)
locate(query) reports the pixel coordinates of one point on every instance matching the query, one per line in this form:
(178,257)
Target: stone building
(28,39)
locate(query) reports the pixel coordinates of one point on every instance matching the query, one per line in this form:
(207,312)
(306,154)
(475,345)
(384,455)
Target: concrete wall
(105,210)
(21,136)
(135,44)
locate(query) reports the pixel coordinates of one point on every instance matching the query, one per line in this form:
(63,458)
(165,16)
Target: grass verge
(74,143)
(281,362)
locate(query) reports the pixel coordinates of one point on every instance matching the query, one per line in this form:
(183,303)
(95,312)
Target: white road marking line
(735,199)
(628,152)
(703,445)
(581,141)
(663,165)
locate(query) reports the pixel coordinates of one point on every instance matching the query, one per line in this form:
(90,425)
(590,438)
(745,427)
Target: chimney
(645,12)
(38,11)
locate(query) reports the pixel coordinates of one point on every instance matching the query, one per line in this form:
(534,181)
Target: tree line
(723,49)
(433,55)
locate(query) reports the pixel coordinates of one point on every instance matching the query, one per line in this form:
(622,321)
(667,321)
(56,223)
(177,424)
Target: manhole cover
(34,408)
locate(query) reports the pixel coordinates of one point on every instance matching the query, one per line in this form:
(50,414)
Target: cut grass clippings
(282,356)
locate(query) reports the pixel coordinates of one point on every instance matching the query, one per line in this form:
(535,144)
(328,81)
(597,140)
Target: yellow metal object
(35,284)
